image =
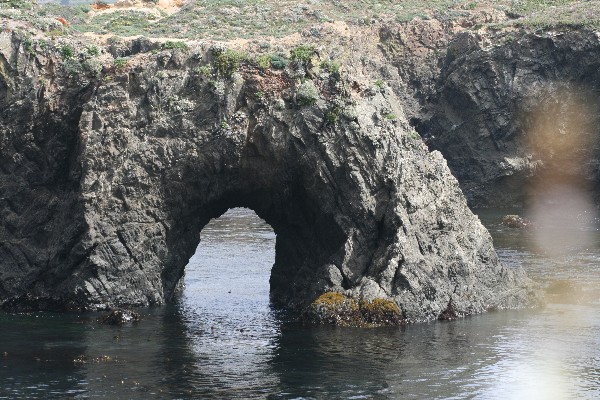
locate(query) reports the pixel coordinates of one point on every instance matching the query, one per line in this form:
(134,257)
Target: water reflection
(35,361)
(223,340)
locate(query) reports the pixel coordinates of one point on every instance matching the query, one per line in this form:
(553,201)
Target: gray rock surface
(107,180)
(487,99)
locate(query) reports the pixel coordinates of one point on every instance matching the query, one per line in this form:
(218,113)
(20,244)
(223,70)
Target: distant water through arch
(231,267)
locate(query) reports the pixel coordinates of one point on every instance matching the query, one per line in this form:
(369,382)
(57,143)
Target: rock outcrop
(107,178)
(506,108)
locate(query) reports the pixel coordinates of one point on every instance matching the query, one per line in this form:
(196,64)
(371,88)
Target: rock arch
(357,202)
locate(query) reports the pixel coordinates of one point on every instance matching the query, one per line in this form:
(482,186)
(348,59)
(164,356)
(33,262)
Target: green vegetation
(18,4)
(56,33)
(254,19)
(169,44)
(279,61)
(330,66)
(332,116)
(93,66)
(204,70)
(228,61)
(28,44)
(307,93)
(264,61)
(303,53)
(93,51)
(120,62)
(67,52)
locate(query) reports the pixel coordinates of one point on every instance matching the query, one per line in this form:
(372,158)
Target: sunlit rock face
(106,183)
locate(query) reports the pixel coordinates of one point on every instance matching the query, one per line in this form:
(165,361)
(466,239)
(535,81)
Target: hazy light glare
(560,132)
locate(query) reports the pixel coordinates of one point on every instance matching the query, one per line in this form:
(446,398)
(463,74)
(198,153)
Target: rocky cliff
(111,168)
(512,110)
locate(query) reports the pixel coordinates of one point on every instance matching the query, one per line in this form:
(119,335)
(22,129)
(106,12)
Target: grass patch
(120,62)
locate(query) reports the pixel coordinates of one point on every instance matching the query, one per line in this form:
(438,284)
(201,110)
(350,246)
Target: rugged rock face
(505,108)
(107,181)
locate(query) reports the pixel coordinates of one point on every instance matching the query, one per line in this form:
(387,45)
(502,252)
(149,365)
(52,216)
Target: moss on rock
(334,308)
(381,312)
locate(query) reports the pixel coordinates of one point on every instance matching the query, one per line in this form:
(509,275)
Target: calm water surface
(222,340)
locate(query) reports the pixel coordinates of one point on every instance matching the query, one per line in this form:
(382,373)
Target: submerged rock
(106,182)
(515,221)
(119,317)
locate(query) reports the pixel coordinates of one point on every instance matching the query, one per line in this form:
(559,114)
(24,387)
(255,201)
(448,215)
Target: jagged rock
(449,314)
(509,110)
(106,182)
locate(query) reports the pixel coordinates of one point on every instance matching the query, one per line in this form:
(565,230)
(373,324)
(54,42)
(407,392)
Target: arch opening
(309,240)
(229,273)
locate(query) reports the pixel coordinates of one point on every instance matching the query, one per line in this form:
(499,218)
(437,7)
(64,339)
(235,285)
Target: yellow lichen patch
(338,309)
(335,299)
(334,309)
(380,312)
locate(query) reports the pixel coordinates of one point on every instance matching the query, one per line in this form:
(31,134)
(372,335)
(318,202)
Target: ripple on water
(223,340)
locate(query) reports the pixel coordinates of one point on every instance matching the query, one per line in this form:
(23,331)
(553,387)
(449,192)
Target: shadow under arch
(307,236)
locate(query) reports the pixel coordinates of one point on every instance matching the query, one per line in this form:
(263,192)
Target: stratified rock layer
(106,183)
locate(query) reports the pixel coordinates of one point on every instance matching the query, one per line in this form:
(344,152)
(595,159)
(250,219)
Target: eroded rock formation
(506,108)
(106,182)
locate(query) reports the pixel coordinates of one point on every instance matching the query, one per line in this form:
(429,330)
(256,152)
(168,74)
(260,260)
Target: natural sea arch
(105,191)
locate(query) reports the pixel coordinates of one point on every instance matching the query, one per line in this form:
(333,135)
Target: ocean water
(222,339)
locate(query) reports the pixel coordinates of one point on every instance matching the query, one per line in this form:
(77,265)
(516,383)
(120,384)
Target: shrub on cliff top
(302,53)
(278,61)
(67,52)
(264,61)
(227,62)
(19,4)
(170,44)
(307,93)
(330,66)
